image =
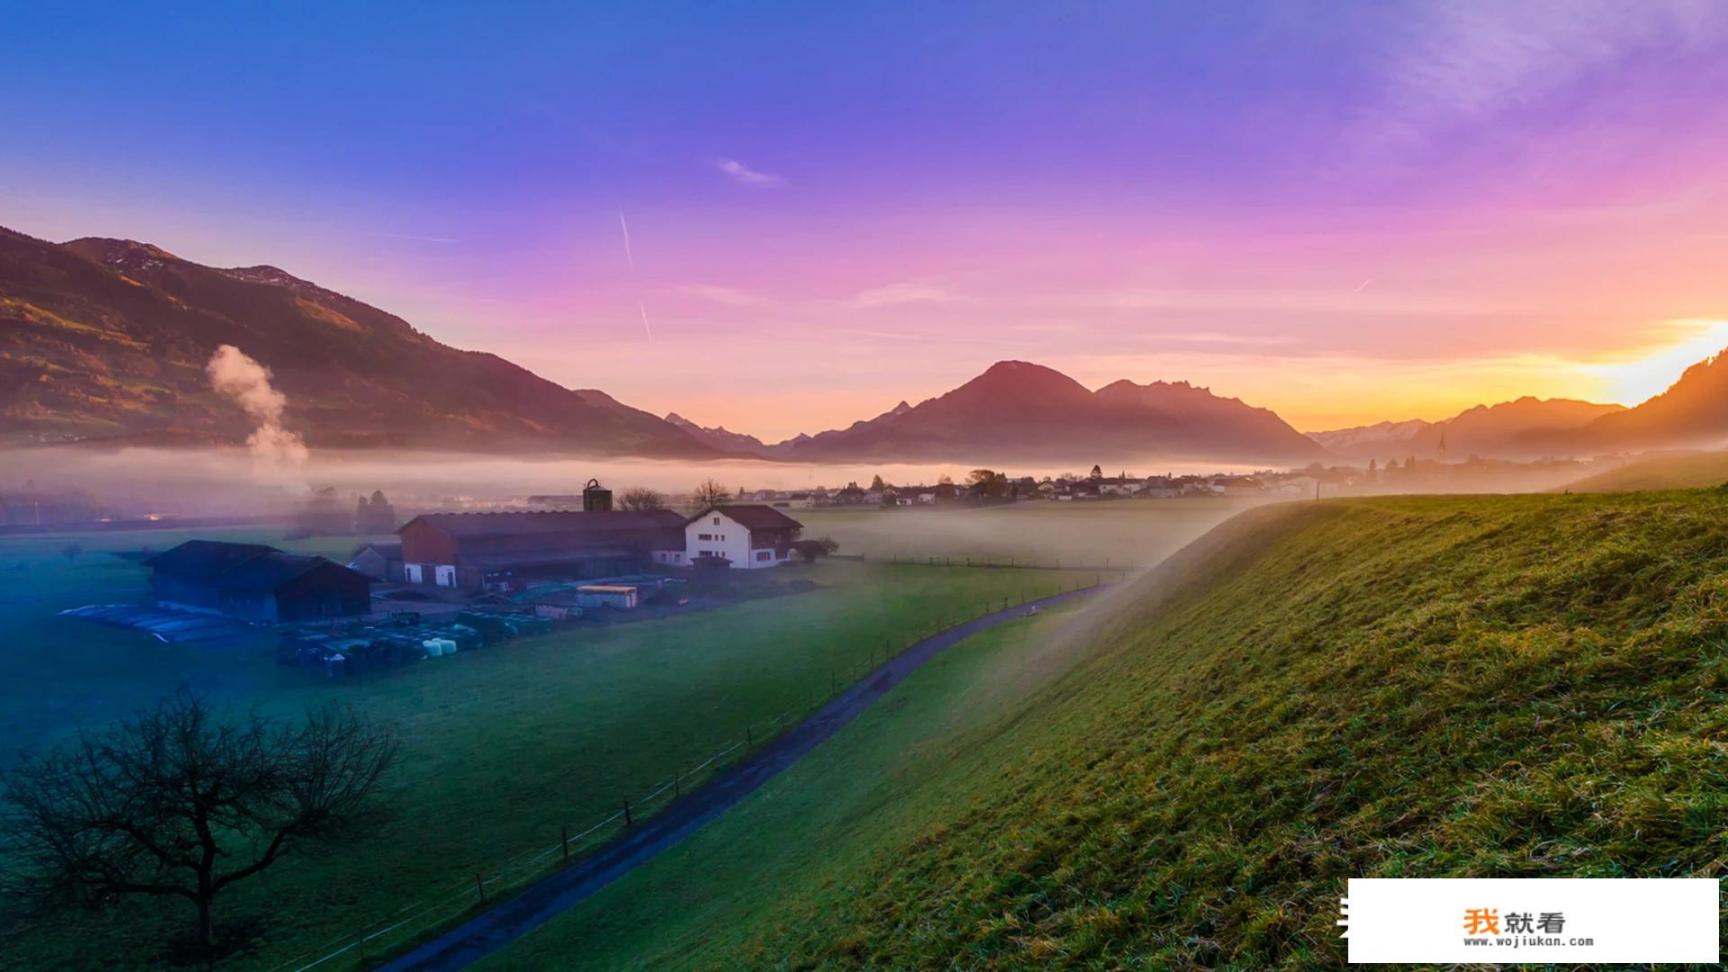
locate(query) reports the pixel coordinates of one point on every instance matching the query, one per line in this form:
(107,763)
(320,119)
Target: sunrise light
(1632,380)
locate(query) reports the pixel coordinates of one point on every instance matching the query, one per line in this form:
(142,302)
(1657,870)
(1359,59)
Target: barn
(502,551)
(379,561)
(254,582)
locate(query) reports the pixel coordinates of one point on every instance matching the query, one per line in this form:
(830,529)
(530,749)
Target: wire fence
(1109,566)
(444,906)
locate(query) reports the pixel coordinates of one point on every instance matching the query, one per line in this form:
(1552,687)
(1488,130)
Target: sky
(786,217)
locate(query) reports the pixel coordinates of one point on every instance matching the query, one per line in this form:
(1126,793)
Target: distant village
(458,573)
(327,511)
(986,486)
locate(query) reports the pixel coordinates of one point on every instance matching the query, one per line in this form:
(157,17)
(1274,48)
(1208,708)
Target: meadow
(1419,686)
(1681,470)
(505,747)
(1129,532)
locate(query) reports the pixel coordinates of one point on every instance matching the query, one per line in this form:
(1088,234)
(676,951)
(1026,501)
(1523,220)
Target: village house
(750,537)
(1161,487)
(254,582)
(796,501)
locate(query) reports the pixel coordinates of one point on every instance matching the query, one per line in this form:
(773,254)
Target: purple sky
(1345,212)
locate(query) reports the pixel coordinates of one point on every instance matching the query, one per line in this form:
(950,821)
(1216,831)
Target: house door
(412,572)
(446,574)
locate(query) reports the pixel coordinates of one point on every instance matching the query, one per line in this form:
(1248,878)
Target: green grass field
(1692,470)
(503,746)
(1484,686)
(1130,531)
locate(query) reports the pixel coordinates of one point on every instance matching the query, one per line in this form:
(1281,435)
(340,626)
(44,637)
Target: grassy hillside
(503,746)
(1508,686)
(1689,470)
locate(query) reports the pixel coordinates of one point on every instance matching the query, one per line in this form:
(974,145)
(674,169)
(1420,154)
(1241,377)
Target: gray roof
(238,566)
(753,516)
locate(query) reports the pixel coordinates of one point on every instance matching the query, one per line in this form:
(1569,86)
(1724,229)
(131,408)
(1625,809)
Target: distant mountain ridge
(1019,412)
(1691,414)
(721,438)
(1514,429)
(105,340)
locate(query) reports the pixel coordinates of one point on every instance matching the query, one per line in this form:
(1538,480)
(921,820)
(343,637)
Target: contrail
(629,257)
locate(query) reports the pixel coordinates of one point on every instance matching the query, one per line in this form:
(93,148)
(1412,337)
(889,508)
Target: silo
(596,498)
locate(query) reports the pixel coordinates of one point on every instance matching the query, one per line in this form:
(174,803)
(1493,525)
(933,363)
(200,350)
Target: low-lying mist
(241,481)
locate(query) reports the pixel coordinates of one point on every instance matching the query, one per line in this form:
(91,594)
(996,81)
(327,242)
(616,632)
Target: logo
(1538,920)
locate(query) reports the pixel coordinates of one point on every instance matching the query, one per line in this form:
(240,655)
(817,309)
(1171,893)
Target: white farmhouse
(749,536)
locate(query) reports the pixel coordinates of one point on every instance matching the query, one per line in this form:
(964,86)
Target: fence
(1027,563)
(455,901)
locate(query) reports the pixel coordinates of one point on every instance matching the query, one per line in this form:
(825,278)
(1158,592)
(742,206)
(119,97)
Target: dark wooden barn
(255,582)
(474,551)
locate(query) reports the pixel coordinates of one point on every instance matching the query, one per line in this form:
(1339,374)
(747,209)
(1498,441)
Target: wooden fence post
(627,813)
(480,886)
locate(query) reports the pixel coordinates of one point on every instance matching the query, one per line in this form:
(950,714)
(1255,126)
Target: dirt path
(539,903)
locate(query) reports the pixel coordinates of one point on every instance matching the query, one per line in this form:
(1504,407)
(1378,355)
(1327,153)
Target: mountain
(722,438)
(1021,412)
(1512,429)
(1379,439)
(106,340)
(1692,413)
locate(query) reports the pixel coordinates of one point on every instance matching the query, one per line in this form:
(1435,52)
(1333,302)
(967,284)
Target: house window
(704,536)
(716,521)
(764,555)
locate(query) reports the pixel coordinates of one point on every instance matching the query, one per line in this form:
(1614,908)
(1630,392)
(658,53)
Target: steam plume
(237,377)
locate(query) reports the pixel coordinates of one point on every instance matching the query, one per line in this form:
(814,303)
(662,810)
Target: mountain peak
(1021,382)
(120,254)
(269,275)
(1018,411)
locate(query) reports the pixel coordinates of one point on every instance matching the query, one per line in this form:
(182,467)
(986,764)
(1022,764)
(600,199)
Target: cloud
(888,295)
(730,296)
(902,293)
(745,176)
(1465,62)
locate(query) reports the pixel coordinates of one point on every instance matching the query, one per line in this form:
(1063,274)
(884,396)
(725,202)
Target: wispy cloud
(903,293)
(745,176)
(415,237)
(730,296)
(887,295)
(1467,61)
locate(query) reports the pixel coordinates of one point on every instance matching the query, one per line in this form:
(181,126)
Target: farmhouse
(749,536)
(254,582)
(501,551)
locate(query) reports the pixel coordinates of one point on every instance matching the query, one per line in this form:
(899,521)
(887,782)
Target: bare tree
(642,498)
(182,802)
(711,493)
